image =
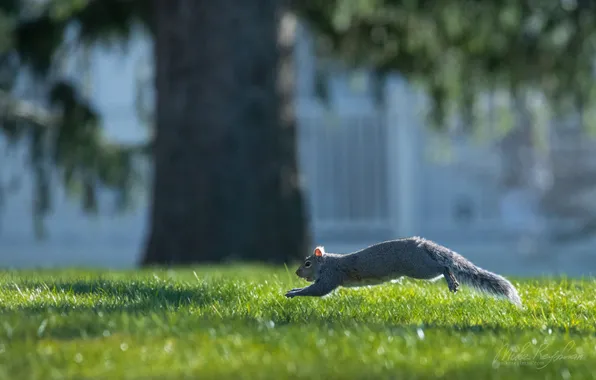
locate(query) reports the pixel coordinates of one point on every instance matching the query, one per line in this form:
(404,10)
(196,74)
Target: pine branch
(22,110)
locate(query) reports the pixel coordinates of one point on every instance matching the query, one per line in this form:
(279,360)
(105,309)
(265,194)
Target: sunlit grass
(234,322)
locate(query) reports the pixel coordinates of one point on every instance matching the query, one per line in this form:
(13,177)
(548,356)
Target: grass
(234,322)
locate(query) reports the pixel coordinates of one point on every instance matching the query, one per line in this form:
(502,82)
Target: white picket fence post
(403,158)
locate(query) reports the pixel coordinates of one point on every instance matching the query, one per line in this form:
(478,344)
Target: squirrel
(413,257)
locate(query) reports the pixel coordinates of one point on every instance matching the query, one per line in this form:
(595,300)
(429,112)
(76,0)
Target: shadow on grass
(110,295)
(89,308)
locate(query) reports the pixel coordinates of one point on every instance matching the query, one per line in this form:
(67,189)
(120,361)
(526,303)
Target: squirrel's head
(310,267)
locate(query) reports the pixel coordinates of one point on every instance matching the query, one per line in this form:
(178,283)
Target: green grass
(234,322)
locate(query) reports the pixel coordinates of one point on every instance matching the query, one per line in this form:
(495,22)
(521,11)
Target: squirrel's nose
(297,271)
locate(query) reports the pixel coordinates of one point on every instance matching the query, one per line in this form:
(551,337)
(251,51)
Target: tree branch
(22,110)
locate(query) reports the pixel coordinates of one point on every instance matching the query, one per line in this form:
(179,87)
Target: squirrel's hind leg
(452,282)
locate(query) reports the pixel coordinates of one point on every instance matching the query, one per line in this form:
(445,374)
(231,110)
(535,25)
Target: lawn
(234,322)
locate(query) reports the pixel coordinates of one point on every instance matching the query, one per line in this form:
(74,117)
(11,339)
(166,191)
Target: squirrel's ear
(319,251)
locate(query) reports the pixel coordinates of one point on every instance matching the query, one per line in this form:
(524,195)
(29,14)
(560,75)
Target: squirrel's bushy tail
(480,279)
(484,281)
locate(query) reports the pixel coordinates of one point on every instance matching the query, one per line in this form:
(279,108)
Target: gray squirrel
(413,257)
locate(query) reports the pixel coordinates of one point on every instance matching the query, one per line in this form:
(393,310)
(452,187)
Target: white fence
(344,166)
(369,175)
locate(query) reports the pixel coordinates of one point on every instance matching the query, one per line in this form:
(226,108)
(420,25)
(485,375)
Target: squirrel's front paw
(292,293)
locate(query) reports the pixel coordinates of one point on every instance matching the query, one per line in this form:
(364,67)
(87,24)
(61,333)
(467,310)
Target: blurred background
(178,132)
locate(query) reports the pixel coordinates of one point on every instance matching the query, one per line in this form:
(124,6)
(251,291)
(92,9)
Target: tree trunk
(225,174)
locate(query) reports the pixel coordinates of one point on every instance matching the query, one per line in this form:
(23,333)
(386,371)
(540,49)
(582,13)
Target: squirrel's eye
(307,264)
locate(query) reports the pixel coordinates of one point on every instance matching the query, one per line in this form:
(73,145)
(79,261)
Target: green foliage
(459,50)
(234,322)
(65,139)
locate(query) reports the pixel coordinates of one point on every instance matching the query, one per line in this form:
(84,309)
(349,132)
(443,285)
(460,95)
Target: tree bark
(225,180)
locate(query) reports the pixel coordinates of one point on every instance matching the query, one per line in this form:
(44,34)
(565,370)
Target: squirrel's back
(402,257)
